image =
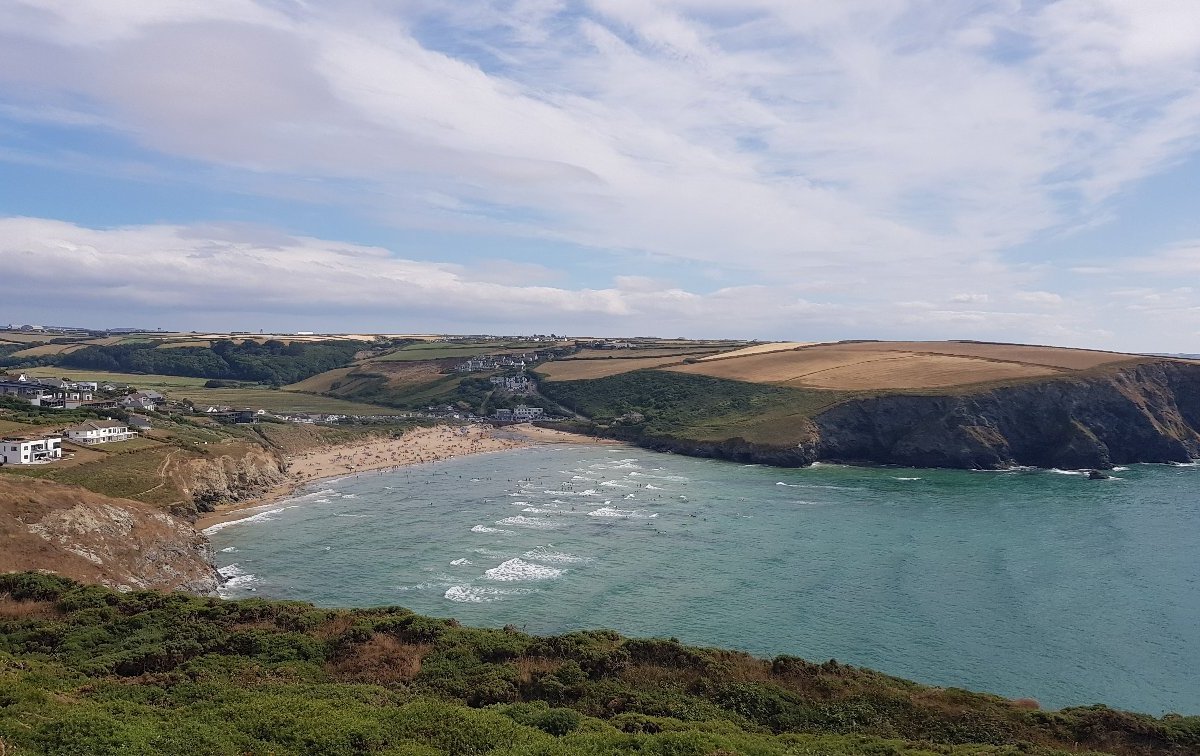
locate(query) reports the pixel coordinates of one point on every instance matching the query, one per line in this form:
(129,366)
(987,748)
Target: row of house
(499,362)
(517,384)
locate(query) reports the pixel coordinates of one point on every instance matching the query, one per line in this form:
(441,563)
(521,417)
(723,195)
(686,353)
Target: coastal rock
(1144,413)
(230,477)
(124,544)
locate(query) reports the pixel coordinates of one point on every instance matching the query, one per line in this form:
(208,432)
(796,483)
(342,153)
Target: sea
(1024,583)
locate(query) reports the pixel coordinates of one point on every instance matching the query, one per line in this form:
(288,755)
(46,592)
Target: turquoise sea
(1025,583)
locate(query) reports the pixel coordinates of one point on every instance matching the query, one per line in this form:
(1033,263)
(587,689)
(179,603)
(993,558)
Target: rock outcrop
(83,535)
(228,478)
(1148,412)
(1145,412)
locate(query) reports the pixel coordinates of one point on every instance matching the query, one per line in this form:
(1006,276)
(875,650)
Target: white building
(30,450)
(99,432)
(522,413)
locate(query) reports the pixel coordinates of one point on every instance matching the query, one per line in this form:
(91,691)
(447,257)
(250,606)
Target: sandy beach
(414,447)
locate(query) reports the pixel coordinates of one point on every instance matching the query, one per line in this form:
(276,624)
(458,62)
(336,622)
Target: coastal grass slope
(84,669)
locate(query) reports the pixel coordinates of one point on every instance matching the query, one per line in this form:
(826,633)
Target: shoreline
(418,446)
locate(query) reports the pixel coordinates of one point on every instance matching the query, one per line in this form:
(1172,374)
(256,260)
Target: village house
(30,449)
(143,400)
(99,432)
(139,423)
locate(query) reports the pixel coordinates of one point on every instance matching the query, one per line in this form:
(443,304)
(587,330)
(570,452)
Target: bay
(1024,583)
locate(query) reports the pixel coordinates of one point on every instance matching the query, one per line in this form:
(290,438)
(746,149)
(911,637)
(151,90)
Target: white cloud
(856,158)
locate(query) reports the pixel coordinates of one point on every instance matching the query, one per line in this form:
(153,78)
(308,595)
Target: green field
(450,350)
(256,397)
(274,400)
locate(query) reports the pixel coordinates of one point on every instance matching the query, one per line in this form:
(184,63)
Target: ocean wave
(633,514)
(658,477)
(814,485)
(228,550)
(339,514)
(234,579)
(588,492)
(551,510)
(1057,471)
(486,529)
(548,556)
(471,594)
(898,478)
(613,484)
(260,517)
(460,562)
(517,570)
(652,487)
(521,521)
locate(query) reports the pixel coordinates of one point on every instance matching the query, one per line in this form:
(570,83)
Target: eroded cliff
(1148,412)
(86,536)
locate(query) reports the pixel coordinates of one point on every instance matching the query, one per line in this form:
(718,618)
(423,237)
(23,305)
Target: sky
(1012,170)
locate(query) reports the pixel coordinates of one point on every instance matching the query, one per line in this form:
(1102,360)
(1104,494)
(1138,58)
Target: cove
(1023,583)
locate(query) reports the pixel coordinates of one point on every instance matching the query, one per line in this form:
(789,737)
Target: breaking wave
(517,569)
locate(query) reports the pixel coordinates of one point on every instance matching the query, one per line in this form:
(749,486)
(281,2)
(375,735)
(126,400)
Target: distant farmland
(873,366)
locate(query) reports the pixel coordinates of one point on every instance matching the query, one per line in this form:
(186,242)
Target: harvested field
(574,370)
(1057,357)
(917,371)
(781,346)
(49,349)
(178,344)
(627,354)
(871,366)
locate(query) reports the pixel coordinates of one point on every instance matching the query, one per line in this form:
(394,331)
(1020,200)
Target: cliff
(1143,412)
(1148,412)
(86,536)
(246,473)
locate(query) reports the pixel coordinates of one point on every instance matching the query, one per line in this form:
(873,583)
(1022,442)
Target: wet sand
(413,448)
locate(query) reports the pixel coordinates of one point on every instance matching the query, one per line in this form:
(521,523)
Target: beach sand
(414,447)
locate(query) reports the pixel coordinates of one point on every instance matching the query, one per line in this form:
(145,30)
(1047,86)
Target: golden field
(873,366)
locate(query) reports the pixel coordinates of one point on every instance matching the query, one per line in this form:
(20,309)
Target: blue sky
(1020,171)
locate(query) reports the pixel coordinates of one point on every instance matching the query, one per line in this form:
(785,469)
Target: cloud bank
(857,165)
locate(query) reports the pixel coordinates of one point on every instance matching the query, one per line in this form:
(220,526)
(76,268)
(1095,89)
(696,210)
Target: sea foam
(633,514)
(521,521)
(517,569)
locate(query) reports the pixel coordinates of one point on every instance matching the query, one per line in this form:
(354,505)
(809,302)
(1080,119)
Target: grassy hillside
(661,403)
(88,670)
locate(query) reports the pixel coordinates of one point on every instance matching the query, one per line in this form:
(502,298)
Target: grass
(128,474)
(256,397)
(445,350)
(275,400)
(161,383)
(574,370)
(653,403)
(90,670)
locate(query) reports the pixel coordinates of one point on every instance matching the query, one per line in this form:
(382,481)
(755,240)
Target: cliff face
(229,477)
(83,535)
(1145,413)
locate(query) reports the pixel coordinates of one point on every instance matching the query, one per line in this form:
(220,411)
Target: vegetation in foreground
(87,670)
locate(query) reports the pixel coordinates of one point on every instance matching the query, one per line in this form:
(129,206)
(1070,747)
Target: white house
(30,450)
(99,432)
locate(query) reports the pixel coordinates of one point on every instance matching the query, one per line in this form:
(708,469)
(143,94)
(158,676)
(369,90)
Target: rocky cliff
(83,535)
(233,476)
(1148,412)
(1144,412)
